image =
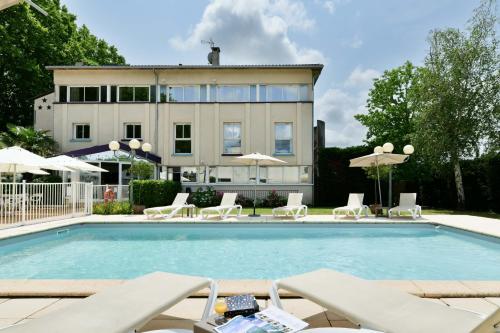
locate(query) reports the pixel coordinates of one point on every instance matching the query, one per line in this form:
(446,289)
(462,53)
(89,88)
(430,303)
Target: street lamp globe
(134,144)
(408,149)
(388,147)
(114,145)
(147,147)
(378,150)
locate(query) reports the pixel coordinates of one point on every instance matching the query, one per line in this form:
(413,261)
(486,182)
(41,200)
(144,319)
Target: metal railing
(22,203)
(121,192)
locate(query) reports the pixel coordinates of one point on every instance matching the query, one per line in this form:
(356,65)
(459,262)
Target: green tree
(142,170)
(36,141)
(458,94)
(390,116)
(30,41)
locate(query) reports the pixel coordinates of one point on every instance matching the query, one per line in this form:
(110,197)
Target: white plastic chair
(293,206)
(354,206)
(407,203)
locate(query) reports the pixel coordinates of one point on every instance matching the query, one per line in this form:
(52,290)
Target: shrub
(142,170)
(113,208)
(273,199)
(205,197)
(245,202)
(47,179)
(154,193)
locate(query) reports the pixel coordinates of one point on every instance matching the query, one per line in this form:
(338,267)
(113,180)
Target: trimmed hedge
(113,208)
(154,193)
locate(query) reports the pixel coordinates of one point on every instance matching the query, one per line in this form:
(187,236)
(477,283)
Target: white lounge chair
(407,203)
(354,206)
(376,307)
(227,204)
(123,308)
(293,206)
(169,211)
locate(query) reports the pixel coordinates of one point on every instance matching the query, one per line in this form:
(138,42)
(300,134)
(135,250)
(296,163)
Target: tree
(36,141)
(29,42)
(142,170)
(390,116)
(457,94)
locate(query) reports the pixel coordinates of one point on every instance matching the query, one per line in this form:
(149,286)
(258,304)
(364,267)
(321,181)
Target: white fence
(121,192)
(35,202)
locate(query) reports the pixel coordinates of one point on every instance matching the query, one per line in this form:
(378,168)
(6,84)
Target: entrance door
(110,177)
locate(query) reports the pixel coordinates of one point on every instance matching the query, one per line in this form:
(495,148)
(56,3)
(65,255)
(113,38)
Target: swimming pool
(251,251)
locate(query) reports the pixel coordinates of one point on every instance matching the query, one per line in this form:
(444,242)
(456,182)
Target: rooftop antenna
(213,57)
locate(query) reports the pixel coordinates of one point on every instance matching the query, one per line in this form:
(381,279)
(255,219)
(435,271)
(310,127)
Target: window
(290,175)
(233,93)
(84,94)
(241,175)
(262,93)
(133,94)
(163,94)
(104,94)
(81,131)
(225,174)
(305,175)
(63,93)
(282,93)
(232,138)
(275,175)
(182,139)
(184,94)
(152,94)
(253,93)
(283,138)
(133,131)
(304,92)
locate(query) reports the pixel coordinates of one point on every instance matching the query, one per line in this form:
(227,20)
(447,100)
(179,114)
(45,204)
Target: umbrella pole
(255,188)
(379,190)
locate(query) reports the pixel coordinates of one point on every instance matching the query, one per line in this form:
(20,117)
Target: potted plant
(140,170)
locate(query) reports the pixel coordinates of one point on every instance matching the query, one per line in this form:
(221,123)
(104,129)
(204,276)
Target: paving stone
(24,307)
(477,305)
(403,285)
(439,289)
(60,304)
(484,288)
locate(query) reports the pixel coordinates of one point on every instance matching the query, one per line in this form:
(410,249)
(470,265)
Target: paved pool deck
(23,300)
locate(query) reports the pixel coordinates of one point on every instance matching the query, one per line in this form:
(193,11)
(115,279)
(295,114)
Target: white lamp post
(388,148)
(133,144)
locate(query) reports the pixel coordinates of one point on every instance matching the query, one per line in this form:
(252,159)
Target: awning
(105,148)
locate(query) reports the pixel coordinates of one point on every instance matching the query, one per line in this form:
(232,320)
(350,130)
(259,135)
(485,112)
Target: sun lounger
(227,204)
(354,206)
(376,307)
(169,211)
(407,203)
(121,309)
(293,206)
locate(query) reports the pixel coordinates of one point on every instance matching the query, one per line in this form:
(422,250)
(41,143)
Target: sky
(356,40)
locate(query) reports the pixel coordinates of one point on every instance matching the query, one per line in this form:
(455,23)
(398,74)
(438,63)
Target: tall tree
(30,41)
(458,94)
(36,141)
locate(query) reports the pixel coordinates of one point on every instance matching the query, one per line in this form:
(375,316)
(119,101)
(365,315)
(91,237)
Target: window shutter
(63,93)
(104,94)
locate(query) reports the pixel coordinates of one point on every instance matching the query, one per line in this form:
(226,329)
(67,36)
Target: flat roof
(181,66)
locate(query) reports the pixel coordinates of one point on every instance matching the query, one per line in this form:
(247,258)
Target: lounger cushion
(119,309)
(377,307)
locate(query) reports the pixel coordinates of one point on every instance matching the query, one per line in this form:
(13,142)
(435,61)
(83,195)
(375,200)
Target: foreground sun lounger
(293,206)
(227,205)
(121,309)
(354,206)
(169,211)
(380,308)
(407,203)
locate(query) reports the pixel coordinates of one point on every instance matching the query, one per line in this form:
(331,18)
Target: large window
(283,138)
(133,131)
(81,131)
(182,139)
(282,93)
(232,138)
(184,94)
(133,94)
(84,94)
(233,93)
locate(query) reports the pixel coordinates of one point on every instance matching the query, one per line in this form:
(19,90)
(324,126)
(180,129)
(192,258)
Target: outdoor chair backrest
(407,199)
(180,199)
(355,199)
(228,199)
(294,199)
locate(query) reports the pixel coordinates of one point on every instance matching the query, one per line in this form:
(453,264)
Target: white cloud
(337,108)
(329,6)
(355,43)
(252,34)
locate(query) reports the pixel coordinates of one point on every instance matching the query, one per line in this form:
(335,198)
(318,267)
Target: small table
(191,211)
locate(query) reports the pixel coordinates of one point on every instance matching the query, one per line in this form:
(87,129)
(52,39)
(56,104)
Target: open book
(270,320)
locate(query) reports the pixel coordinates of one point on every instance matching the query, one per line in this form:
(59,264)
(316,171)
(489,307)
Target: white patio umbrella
(258,159)
(8,3)
(74,164)
(18,160)
(377,159)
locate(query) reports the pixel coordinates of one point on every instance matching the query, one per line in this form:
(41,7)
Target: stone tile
(484,288)
(8,322)
(157,324)
(60,304)
(494,300)
(439,289)
(403,285)
(24,307)
(318,320)
(302,308)
(477,305)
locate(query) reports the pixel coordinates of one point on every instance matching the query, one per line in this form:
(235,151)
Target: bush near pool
(154,193)
(113,208)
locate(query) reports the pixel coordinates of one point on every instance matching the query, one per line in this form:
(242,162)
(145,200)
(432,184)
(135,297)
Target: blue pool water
(243,251)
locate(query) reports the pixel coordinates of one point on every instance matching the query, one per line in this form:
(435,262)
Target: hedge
(154,193)
(335,180)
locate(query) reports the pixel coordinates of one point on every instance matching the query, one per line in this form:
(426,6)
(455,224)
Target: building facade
(197,119)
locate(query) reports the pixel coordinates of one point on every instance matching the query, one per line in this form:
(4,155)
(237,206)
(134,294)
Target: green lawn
(328,211)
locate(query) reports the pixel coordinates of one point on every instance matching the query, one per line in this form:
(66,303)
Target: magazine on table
(270,320)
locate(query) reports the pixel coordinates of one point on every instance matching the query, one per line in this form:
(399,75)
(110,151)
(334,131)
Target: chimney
(214,56)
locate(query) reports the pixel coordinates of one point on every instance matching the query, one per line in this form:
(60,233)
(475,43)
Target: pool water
(251,251)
